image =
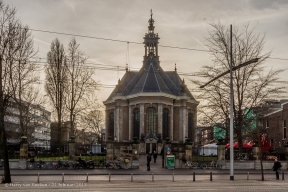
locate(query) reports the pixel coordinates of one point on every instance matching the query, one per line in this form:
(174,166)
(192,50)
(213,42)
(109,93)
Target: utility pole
(231,111)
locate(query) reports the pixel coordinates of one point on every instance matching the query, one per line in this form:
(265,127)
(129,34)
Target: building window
(190,126)
(136,127)
(267,123)
(151,120)
(284,129)
(111,125)
(165,124)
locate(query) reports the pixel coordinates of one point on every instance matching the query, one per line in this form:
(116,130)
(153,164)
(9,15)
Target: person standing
(276,167)
(148,161)
(155,156)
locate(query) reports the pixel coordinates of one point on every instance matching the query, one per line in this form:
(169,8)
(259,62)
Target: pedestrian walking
(155,156)
(276,167)
(148,161)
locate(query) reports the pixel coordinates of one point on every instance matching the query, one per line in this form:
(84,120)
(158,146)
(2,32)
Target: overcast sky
(181,23)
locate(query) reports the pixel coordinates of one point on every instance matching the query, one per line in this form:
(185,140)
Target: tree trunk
(7,176)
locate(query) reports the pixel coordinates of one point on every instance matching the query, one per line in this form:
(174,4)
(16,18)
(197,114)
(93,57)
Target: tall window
(136,126)
(267,123)
(190,125)
(111,125)
(151,120)
(165,121)
(284,129)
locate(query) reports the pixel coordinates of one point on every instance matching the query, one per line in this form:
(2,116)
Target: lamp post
(202,148)
(231,100)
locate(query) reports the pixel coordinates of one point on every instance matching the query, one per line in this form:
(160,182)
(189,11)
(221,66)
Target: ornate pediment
(151,137)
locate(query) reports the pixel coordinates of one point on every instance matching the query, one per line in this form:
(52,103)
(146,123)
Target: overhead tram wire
(114,68)
(115,40)
(122,41)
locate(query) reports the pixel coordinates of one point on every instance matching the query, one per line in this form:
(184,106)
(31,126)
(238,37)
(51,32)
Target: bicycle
(36,164)
(65,165)
(202,165)
(102,164)
(52,165)
(190,164)
(218,165)
(212,165)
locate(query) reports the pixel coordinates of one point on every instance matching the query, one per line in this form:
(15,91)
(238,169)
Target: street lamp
(203,149)
(231,100)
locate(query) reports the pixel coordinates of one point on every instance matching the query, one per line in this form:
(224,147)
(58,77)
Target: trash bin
(170,161)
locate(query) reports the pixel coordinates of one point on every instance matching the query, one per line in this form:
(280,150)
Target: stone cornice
(152,94)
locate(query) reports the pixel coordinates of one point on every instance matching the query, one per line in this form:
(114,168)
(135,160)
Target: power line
(278,58)
(115,40)
(112,68)
(122,41)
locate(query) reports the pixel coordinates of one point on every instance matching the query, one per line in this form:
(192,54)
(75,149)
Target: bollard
(210,176)
(193,176)
(87,178)
(62,177)
(282,175)
(109,177)
(173,177)
(248,176)
(131,177)
(152,177)
(38,179)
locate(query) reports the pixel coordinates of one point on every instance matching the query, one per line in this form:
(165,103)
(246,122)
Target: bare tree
(80,84)
(93,121)
(16,51)
(252,83)
(23,79)
(56,80)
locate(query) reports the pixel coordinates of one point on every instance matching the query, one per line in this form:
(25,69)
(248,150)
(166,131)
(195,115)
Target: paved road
(157,179)
(223,186)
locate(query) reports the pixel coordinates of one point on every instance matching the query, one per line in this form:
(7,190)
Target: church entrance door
(150,147)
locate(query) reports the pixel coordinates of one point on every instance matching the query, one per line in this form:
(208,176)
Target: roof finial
(151,22)
(175,67)
(183,86)
(119,85)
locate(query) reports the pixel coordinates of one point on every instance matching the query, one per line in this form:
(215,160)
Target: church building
(151,104)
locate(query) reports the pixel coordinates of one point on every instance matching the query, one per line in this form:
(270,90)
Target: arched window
(136,125)
(165,125)
(190,125)
(111,125)
(151,120)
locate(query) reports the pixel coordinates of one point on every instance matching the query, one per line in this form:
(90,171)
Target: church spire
(151,41)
